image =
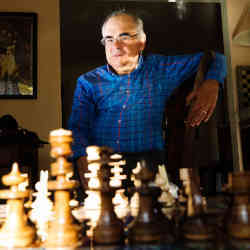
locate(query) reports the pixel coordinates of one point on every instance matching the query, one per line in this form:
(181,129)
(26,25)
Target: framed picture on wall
(18,55)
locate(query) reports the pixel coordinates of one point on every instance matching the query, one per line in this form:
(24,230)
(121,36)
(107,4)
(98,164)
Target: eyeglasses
(123,38)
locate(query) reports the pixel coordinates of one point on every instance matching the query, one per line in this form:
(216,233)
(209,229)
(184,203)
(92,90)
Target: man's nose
(117,43)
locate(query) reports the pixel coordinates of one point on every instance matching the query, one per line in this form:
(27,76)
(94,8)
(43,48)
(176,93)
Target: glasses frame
(119,38)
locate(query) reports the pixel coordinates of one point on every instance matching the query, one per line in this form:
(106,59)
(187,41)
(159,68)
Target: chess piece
(237,218)
(169,190)
(16,231)
(120,201)
(109,228)
(42,208)
(150,225)
(194,226)
(63,230)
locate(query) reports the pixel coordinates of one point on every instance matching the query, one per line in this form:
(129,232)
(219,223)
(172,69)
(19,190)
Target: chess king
(63,231)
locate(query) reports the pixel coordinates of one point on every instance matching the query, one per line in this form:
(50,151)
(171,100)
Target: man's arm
(80,123)
(82,117)
(204,98)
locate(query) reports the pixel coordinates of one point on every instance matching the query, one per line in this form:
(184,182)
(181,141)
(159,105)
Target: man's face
(122,55)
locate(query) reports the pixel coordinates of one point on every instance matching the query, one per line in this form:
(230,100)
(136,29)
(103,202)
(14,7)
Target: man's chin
(118,66)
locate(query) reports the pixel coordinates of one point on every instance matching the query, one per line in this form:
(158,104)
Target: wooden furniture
(182,139)
(18,145)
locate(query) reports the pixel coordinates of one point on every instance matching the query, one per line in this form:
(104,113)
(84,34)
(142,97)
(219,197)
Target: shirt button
(127,91)
(123,106)
(119,121)
(117,141)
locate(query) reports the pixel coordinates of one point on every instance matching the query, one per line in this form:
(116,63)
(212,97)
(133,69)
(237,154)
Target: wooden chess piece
(237,219)
(109,228)
(42,208)
(194,226)
(150,225)
(63,230)
(15,232)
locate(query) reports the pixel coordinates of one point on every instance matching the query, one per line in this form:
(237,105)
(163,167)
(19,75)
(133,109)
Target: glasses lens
(121,38)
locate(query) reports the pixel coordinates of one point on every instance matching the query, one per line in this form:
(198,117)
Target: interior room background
(45,113)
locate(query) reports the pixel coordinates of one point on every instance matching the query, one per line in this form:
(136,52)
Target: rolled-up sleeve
(82,117)
(217,69)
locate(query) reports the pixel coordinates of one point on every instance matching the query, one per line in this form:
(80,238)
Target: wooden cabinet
(20,146)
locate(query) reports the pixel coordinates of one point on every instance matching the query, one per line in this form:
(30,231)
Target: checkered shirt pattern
(125,112)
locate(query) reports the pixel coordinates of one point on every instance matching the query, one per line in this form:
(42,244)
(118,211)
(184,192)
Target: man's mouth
(117,55)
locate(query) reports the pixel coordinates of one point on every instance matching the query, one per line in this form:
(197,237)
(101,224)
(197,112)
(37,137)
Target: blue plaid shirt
(125,112)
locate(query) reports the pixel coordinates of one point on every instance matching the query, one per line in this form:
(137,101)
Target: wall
(240,55)
(43,114)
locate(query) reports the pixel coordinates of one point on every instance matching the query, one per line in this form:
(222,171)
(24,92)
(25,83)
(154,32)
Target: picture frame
(18,55)
(243,88)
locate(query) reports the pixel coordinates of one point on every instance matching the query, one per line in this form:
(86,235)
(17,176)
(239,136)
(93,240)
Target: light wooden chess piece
(194,226)
(63,231)
(42,208)
(15,231)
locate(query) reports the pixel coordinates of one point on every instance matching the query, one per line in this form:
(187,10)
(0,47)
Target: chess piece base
(194,228)
(64,236)
(142,232)
(17,238)
(110,234)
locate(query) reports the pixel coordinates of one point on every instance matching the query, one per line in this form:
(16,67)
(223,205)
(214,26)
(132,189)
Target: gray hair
(138,21)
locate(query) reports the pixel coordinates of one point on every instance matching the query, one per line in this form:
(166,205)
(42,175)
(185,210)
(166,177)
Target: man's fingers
(210,112)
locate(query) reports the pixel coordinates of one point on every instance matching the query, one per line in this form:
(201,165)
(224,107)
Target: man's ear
(143,43)
(143,46)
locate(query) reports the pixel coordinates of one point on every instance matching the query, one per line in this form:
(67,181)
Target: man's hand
(203,102)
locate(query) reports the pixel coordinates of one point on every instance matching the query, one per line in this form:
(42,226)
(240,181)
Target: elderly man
(121,104)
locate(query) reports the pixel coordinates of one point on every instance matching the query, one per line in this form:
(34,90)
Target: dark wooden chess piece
(16,231)
(150,225)
(109,228)
(194,225)
(237,219)
(63,230)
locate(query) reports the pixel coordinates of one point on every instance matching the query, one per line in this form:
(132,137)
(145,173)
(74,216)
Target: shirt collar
(140,63)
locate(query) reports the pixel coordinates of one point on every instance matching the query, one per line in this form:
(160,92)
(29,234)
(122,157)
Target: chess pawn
(16,231)
(237,218)
(194,226)
(150,225)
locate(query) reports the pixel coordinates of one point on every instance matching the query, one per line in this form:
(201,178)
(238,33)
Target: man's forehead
(119,24)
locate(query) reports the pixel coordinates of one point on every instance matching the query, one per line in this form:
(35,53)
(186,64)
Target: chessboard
(243,85)
(53,225)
